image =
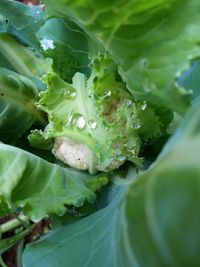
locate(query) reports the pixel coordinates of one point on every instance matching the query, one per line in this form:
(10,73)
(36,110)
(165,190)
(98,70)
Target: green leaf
(37,140)
(22,60)
(40,188)
(96,235)
(18,95)
(190,79)
(153,221)
(21,21)
(97,112)
(151,41)
(67,45)
(7,243)
(16,57)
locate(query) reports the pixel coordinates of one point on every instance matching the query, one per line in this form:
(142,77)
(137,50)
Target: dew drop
(70,118)
(103,180)
(129,103)
(78,120)
(81,122)
(137,125)
(70,94)
(132,152)
(38,12)
(144,62)
(133,115)
(144,106)
(92,124)
(107,94)
(121,158)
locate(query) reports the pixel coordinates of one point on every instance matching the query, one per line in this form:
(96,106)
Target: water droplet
(137,125)
(129,102)
(103,180)
(92,124)
(121,158)
(70,93)
(144,62)
(70,118)
(78,120)
(144,106)
(107,94)
(47,44)
(38,12)
(132,152)
(133,115)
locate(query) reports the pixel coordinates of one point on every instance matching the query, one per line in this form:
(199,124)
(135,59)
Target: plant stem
(2,262)
(5,227)
(20,252)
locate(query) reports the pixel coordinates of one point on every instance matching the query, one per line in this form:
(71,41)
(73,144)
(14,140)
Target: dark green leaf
(18,95)
(67,45)
(21,21)
(40,188)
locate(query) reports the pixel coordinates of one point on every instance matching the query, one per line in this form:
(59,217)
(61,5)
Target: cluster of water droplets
(38,14)
(69,94)
(78,119)
(80,122)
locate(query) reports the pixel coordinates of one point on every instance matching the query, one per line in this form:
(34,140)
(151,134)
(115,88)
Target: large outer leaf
(40,188)
(18,95)
(21,21)
(151,41)
(67,45)
(155,224)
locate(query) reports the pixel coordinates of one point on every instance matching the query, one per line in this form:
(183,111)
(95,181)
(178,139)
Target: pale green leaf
(40,188)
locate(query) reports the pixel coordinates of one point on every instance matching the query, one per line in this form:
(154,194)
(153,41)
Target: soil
(9,257)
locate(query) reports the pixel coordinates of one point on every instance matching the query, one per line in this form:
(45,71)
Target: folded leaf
(40,188)
(18,95)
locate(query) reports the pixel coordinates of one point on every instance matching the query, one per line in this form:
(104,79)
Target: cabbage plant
(99,133)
